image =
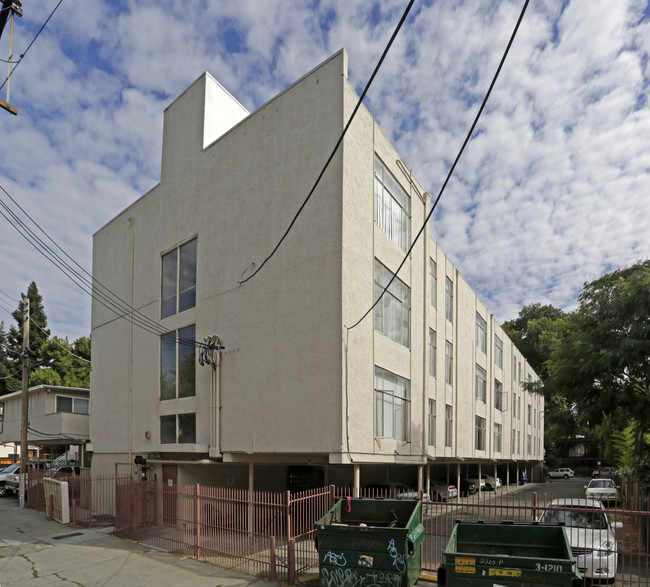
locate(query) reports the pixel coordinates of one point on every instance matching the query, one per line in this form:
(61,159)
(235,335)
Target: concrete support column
(357,480)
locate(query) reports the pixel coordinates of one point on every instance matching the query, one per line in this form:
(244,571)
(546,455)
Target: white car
(488,483)
(603,489)
(563,473)
(590,533)
(4,475)
(442,491)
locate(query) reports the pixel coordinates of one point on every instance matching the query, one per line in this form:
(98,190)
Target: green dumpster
(508,554)
(364,542)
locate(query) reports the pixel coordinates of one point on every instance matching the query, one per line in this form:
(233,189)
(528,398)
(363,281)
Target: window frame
(449,425)
(180,385)
(480,383)
(176,418)
(392,216)
(499,396)
(498,352)
(449,299)
(480,432)
(449,363)
(73,402)
(481,333)
(498,437)
(432,423)
(433,282)
(176,266)
(433,352)
(394,423)
(395,304)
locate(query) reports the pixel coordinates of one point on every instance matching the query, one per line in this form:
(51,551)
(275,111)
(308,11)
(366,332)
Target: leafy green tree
(7,374)
(64,363)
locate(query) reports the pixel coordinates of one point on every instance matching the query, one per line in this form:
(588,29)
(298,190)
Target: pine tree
(7,374)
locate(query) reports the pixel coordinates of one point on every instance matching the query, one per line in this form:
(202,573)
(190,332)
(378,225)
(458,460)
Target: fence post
(534,506)
(332,496)
(291,560)
(198,523)
(272,561)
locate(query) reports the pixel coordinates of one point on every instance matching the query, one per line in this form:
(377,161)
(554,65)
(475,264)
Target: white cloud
(550,192)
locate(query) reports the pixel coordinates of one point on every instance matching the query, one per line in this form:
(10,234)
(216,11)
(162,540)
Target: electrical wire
(56,342)
(22,55)
(6,295)
(338,143)
(453,167)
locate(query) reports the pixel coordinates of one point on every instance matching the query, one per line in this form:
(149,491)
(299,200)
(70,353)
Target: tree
(8,381)
(64,363)
(38,331)
(602,361)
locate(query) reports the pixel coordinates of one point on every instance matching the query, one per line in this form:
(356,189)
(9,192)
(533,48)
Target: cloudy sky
(551,192)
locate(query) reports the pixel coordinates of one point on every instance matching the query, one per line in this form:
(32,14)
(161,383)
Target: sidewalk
(37,551)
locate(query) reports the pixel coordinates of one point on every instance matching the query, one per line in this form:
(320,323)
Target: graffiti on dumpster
(337,560)
(398,559)
(352,578)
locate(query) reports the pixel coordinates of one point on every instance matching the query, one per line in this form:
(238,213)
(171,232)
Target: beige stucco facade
(295,386)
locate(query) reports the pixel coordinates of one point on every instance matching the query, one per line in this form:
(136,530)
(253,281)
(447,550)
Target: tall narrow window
(433,282)
(498,436)
(449,363)
(392,206)
(481,333)
(514,369)
(498,352)
(392,313)
(432,352)
(178,288)
(499,396)
(177,364)
(479,426)
(530,415)
(480,383)
(392,405)
(449,299)
(449,425)
(432,422)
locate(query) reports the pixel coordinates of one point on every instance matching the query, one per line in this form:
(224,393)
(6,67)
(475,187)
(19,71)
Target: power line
(56,342)
(6,295)
(22,56)
(453,167)
(336,147)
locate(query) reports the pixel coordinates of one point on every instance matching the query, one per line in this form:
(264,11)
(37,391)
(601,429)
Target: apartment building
(277,382)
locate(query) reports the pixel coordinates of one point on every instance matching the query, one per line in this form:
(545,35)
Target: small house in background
(58,423)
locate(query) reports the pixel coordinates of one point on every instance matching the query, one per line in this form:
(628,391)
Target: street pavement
(35,551)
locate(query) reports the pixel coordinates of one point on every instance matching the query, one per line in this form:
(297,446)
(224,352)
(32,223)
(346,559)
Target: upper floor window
(479,426)
(178,429)
(481,333)
(432,352)
(71,405)
(449,363)
(178,290)
(392,313)
(498,352)
(392,206)
(432,422)
(499,396)
(449,299)
(498,437)
(514,369)
(480,383)
(433,282)
(393,405)
(177,364)
(449,424)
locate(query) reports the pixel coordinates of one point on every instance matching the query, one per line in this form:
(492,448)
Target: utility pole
(23,423)
(9,8)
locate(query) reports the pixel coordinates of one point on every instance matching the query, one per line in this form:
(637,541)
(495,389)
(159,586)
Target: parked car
(562,473)
(12,482)
(604,490)
(590,533)
(3,477)
(442,491)
(488,483)
(467,487)
(64,471)
(609,472)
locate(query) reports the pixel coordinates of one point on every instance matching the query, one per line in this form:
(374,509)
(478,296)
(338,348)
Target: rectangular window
(393,405)
(432,352)
(528,445)
(514,369)
(449,299)
(449,425)
(530,415)
(433,282)
(392,206)
(481,333)
(480,432)
(498,352)
(498,438)
(392,313)
(449,363)
(177,364)
(499,396)
(178,288)
(513,446)
(178,429)
(71,405)
(480,384)
(518,442)
(432,422)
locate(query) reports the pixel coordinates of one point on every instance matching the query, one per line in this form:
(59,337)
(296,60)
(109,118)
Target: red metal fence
(271,534)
